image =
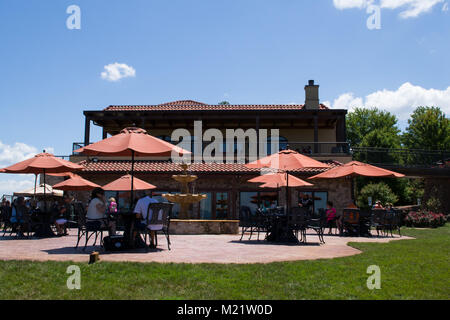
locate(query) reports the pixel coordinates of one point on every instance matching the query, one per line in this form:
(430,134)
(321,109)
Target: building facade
(310,128)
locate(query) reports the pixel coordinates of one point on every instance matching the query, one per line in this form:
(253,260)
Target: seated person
(64,211)
(141,210)
(331,215)
(378,205)
(58,218)
(266,205)
(97,211)
(19,210)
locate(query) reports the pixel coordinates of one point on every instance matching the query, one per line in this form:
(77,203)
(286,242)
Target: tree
(372,128)
(224,103)
(428,128)
(378,192)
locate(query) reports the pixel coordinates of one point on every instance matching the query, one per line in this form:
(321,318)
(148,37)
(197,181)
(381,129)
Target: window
(249,199)
(215,206)
(282,145)
(222,205)
(256,199)
(320,199)
(206,207)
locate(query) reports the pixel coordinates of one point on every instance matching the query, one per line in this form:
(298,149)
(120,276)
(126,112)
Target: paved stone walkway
(188,249)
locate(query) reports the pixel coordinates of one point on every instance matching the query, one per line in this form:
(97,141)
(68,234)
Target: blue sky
(246,51)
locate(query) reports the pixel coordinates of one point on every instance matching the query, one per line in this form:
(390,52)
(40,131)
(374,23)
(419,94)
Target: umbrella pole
(35,182)
(132,179)
(45,196)
(287,193)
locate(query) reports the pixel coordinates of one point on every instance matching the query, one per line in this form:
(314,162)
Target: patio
(189,249)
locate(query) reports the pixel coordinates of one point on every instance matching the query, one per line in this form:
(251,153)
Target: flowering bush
(427,219)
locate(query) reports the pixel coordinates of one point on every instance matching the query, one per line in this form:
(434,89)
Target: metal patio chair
(161,213)
(350,221)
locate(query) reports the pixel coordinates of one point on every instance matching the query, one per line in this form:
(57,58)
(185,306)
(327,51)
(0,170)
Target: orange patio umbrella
(355,169)
(276,180)
(132,142)
(286,160)
(42,163)
(124,183)
(76,183)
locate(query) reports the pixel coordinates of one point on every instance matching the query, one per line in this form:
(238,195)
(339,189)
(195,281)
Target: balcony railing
(313,148)
(418,158)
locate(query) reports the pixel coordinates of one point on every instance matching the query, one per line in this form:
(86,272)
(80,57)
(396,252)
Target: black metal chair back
(245,217)
(378,217)
(298,217)
(351,216)
(350,220)
(160,213)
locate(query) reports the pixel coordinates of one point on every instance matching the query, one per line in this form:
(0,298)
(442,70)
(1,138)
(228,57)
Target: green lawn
(410,269)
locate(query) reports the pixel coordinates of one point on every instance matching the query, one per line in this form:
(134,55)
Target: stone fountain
(185,199)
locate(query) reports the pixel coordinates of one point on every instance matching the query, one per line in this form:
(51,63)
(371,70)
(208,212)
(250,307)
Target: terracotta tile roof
(168,167)
(191,105)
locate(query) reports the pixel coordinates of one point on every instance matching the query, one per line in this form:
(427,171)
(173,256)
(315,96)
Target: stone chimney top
(311,95)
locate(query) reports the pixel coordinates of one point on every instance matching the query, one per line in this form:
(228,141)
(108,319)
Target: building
(311,128)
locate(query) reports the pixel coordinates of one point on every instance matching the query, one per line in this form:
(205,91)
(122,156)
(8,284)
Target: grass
(410,269)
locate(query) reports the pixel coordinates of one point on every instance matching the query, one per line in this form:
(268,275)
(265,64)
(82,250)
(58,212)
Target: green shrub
(433,204)
(377,191)
(425,219)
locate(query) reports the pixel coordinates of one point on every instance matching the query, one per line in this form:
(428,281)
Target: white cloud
(400,102)
(16,184)
(116,71)
(10,154)
(347,101)
(445,7)
(414,8)
(411,8)
(15,153)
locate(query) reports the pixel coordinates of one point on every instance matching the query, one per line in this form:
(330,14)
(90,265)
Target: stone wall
(204,226)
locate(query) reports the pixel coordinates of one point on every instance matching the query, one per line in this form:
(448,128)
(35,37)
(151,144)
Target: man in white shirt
(141,211)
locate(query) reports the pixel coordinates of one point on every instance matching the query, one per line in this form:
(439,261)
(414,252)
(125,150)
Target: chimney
(312,95)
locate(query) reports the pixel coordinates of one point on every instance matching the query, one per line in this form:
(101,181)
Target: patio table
(129,219)
(279,230)
(44,225)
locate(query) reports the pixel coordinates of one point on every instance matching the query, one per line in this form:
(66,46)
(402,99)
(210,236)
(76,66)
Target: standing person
(141,211)
(331,215)
(96,211)
(306,202)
